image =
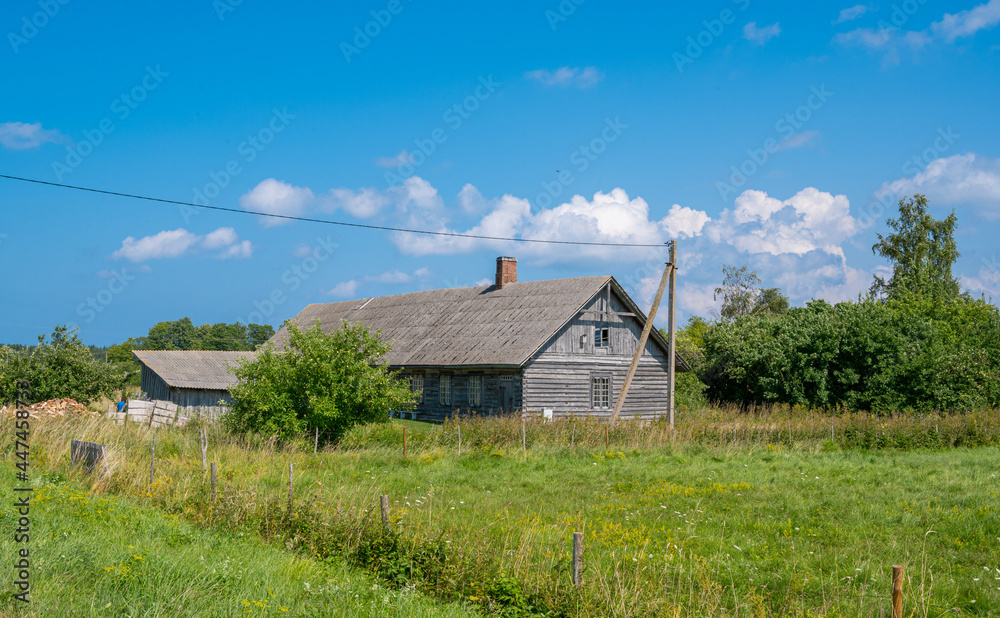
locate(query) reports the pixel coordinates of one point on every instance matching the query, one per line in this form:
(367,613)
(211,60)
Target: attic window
(601,337)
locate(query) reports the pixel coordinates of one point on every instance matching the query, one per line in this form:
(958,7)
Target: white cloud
(180,242)
(363,203)
(471,200)
(851,13)
(958,180)
(222,237)
(390,276)
(684,222)
(278,198)
(890,39)
(761,36)
(798,140)
(566,77)
(986,282)
(23,136)
(242,250)
(810,220)
(967,23)
(401,158)
(344,289)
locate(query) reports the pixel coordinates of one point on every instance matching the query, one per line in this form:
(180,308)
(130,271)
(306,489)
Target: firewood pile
(58,407)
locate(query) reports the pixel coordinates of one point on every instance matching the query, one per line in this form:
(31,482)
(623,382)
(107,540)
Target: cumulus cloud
(567,77)
(890,39)
(959,180)
(760,36)
(24,136)
(851,13)
(177,243)
(277,198)
(684,222)
(810,220)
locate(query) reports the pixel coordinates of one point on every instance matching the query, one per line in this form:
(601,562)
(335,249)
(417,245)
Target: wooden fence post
(524,438)
(213,482)
(385,511)
(572,436)
(152,464)
(203,435)
(897,591)
(577,558)
(404,441)
(290,468)
(316,443)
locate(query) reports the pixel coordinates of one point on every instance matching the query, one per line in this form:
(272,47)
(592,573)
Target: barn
(191,379)
(562,346)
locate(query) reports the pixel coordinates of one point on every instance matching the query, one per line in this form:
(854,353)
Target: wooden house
(562,346)
(191,379)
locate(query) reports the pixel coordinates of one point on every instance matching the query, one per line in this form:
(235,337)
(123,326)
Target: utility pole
(641,345)
(672,328)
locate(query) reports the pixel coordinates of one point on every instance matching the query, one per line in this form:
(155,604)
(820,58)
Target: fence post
(316,443)
(572,436)
(290,468)
(213,482)
(897,591)
(577,557)
(524,438)
(152,464)
(404,441)
(203,434)
(385,511)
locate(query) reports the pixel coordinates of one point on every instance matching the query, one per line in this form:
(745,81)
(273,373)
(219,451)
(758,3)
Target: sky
(779,135)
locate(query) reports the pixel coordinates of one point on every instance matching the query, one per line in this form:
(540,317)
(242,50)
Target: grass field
(727,524)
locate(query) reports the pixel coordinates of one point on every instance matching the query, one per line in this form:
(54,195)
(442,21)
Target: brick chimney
(506,271)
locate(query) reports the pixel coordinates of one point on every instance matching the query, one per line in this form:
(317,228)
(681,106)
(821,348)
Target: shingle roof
(461,326)
(482,326)
(192,369)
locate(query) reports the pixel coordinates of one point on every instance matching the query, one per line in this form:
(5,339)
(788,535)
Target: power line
(326,221)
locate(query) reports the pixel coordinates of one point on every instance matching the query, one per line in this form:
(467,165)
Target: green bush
(327,381)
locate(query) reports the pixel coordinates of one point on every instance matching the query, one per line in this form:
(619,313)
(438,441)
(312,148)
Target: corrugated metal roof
(201,369)
(461,326)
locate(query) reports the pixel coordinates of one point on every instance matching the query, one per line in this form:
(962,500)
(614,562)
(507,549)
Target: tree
(742,295)
(922,251)
(60,366)
(326,381)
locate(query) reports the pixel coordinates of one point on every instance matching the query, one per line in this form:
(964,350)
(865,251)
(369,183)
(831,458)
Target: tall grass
(755,514)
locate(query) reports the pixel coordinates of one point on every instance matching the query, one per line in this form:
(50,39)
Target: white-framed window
(475,390)
(445,390)
(417,386)
(600,392)
(602,336)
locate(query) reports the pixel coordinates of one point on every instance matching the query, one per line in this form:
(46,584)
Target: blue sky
(780,135)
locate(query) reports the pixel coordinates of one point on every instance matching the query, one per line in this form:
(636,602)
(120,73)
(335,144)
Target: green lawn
(105,556)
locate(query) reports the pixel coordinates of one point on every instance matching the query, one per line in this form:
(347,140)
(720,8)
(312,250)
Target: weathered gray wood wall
(154,386)
(559,376)
(431,408)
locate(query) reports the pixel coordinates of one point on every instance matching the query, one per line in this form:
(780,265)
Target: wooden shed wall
(154,386)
